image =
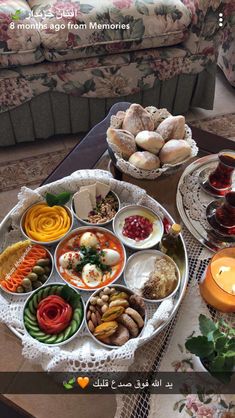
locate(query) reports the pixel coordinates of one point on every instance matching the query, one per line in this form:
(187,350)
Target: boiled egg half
(110,257)
(91,275)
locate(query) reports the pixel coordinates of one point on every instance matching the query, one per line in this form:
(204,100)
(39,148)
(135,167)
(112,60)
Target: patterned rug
(223,125)
(29,171)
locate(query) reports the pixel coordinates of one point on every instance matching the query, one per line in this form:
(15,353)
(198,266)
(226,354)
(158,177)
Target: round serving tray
(181,258)
(192,202)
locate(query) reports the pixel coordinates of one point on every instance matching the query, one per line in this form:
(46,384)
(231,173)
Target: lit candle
(223,272)
(218,285)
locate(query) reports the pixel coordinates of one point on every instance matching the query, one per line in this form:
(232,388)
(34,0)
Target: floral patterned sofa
(63,63)
(226,58)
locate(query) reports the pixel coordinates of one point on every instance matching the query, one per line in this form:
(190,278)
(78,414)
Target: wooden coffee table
(91,153)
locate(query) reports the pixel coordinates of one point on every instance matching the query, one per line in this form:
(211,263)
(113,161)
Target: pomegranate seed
(137,227)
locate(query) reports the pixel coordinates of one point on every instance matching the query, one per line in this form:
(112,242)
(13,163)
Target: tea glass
(220,180)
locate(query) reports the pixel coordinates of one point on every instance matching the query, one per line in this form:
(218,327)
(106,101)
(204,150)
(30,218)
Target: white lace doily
(82,353)
(193,201)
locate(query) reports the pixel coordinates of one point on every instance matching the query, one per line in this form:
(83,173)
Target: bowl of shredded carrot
(24,267)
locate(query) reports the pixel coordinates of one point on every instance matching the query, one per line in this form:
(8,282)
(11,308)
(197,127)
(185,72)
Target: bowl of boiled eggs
(90,258)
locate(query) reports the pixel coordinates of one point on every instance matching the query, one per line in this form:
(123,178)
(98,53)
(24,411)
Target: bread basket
(126,167)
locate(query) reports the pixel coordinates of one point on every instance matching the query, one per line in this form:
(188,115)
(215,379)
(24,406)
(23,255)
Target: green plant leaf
(217,364)
(230,353)
(200,346)
(214,335)
(231,345)
(50,199)
(57,199)
(220,344)
(206,325)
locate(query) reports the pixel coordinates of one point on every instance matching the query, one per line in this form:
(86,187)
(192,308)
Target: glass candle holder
(218,285)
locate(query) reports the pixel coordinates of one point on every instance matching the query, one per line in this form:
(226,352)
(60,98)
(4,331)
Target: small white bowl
(132,210)
(73,233)
(63,342)
(46,242)
(32,291)
(133,260)
(122,289)
(82,221)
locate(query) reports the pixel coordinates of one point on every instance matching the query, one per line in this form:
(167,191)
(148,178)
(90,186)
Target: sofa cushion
(74,29)
(109,76)
(19,38)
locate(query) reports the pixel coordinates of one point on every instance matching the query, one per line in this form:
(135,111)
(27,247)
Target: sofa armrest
(204,31)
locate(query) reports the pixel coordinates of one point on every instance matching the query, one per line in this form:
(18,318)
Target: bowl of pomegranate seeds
(138,227)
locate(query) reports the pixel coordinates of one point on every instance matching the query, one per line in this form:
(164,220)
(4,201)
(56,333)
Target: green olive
(44,262)
(37,284)
(47,270)
(38,270)
(26,283)
(20,289)
(43,278)
(32,276)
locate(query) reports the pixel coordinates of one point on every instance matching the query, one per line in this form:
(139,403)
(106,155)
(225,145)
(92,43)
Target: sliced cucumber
(46,292)
(74,326)
(31,307)
(51,339)
(29,315)
(60,337)
(29,323)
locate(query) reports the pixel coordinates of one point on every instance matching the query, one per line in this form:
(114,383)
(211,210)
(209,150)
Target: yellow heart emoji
(83,382)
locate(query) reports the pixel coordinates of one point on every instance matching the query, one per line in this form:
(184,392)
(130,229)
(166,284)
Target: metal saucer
(220,231)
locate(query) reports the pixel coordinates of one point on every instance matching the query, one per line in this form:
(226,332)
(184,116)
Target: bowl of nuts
(114,315)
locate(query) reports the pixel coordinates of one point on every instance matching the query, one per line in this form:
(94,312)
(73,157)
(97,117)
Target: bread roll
(144,160)
(137,119)
(158,115)
(172,127)
(121,142)
(116,121)
(174,151)
(150,141)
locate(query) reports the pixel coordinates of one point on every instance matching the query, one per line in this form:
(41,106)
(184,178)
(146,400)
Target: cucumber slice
(45,292)
(31,307)
(60,337)
(33,328)
(67,332)
(29,315)
(30,323)
(35,302)
(38,334)
(42,338)
(74,326)
(59,289)
(51,339)
(77,316)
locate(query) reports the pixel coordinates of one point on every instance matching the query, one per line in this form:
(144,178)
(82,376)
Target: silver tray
(200,228)
(181,259)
